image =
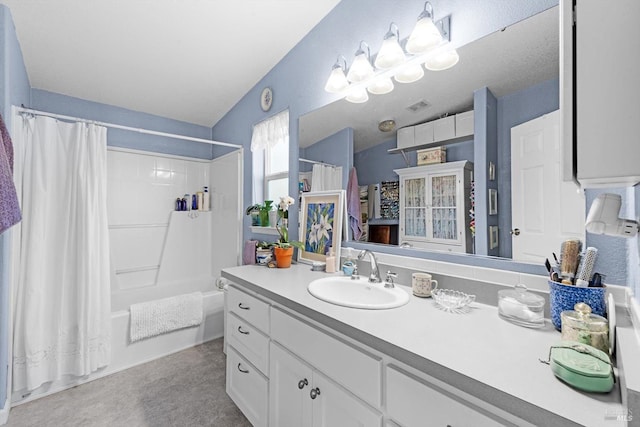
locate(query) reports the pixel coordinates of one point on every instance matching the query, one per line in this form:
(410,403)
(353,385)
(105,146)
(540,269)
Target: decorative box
(431,156)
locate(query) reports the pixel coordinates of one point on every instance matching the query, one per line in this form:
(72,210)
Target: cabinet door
(289,387)
(333,406)
(415,403)
(413,213)
(444,207)
(247,387)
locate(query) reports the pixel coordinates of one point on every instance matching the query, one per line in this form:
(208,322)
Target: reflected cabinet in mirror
(494,116)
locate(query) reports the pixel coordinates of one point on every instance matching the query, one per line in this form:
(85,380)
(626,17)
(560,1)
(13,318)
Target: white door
(289,389)
(545,210)
(226,206)
(334,406)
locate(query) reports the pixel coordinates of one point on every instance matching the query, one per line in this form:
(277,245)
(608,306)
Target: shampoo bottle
(206,199)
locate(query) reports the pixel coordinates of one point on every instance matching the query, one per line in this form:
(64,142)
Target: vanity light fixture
(337,80)
(425,34)
(427,45)
(361,69)
(390,54)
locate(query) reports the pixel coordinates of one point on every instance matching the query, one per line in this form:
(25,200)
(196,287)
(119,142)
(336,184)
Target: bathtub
(125,354)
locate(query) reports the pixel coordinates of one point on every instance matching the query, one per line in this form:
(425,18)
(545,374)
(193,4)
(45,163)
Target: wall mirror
(519,61)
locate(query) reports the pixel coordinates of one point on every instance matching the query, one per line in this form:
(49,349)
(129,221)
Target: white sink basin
(357,293)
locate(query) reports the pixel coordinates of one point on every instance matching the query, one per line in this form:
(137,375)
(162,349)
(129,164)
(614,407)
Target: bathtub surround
(60,252)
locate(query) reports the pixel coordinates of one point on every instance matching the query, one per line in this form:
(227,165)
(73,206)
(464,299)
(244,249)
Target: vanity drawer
(251,343)
(249,308)
(357,371)
(248,388)
(412,402)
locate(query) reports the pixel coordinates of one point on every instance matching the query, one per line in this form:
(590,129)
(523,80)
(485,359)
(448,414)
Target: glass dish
(452,301)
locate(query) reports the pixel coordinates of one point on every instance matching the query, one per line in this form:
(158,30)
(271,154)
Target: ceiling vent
(420,105)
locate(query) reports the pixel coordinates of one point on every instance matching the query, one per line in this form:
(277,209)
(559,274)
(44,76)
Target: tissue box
(431,156)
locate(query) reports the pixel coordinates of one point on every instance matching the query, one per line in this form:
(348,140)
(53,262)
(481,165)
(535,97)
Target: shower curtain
(326,178)
(61,284)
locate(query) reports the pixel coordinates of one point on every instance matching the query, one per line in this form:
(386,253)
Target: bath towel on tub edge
(157,317)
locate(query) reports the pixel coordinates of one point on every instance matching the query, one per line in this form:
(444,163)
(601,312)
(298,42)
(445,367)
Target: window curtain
(269,132)
(62,310)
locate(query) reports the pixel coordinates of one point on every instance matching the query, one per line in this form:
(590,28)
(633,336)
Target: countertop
(476,352)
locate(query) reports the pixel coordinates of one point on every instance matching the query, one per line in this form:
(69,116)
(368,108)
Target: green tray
(582,366)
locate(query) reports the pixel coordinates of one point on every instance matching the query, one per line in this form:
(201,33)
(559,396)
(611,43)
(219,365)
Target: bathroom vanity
(294,360)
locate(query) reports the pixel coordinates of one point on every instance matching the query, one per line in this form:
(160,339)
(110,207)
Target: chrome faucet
(374,277)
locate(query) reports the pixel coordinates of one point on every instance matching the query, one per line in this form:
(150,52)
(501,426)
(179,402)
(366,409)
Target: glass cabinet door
(444,211)
(415,207)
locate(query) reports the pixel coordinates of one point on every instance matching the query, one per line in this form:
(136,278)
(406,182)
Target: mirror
(519,65)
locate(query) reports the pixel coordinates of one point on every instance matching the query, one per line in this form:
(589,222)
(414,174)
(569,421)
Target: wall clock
(266,99)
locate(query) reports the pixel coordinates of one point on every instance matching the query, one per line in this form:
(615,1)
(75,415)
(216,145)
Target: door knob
(515,232)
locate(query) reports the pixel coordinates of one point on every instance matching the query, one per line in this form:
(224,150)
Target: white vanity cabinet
(317,377)
(247,329)
(434,206)
(301,396)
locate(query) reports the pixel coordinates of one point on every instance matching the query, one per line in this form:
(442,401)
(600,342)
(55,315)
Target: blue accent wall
(14,90)
(75,107)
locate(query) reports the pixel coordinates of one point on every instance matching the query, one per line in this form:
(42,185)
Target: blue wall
(298,80)
(14,90)
(75,107)
(336,150)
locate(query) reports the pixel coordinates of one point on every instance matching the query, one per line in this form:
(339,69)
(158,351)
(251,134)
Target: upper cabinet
(434,206)
(600,58)
(448,130)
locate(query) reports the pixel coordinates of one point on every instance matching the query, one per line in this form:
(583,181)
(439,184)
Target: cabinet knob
(515,232)
(242,332)
(302,383)
(315,392)
(242,306)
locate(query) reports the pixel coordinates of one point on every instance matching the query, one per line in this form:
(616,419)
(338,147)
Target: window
(270,147)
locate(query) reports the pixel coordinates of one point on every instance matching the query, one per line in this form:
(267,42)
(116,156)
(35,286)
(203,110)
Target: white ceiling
(517,57)
(189,60)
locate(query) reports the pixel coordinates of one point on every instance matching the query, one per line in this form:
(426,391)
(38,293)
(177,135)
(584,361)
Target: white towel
(157,317)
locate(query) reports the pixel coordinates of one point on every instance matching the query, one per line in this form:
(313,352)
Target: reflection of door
(226,206)
(545,210)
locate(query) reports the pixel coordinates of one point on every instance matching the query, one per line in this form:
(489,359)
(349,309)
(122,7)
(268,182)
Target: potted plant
(283,248)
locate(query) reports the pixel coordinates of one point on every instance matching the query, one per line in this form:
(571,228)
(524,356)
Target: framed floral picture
(321,225)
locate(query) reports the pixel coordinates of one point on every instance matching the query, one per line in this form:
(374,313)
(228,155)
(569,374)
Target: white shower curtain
(326,178)
(62,295)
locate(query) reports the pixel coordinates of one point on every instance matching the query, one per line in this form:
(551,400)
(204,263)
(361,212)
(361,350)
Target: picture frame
(493,236)
(493,201)
(322,223)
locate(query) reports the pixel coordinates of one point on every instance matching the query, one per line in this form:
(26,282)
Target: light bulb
(442,61)
(361,69)
(357,95)
(337,81)
(380,86)
(410,74)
